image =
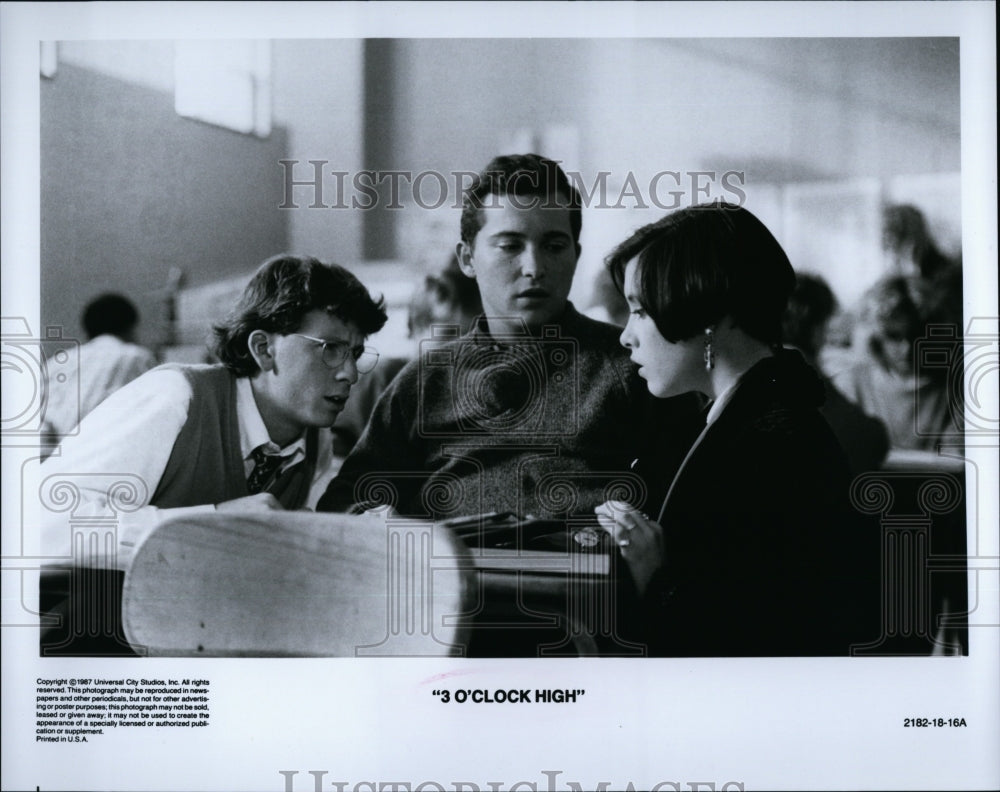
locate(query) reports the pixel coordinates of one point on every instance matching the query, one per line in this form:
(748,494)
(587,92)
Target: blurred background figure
(448,297)
(107,361)
(912,252)
(810,309)
(887,383)
(863,437)
(908,243)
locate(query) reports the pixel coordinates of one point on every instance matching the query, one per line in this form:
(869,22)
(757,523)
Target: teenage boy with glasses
(238,435)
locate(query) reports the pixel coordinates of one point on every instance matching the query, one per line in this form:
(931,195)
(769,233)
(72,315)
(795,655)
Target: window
(48,58)
(226,83)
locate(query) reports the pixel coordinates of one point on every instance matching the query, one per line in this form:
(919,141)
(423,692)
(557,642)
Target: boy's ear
(259,344)
(463,253)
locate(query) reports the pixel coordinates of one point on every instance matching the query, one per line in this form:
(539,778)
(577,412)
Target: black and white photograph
(500,396)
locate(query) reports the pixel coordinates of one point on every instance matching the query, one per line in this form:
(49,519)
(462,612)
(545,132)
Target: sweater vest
(206,462)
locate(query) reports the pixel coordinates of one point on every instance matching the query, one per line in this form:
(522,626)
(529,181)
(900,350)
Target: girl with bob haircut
(754,551)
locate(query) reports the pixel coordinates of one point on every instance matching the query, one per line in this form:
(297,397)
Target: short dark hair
(282,291)
(702,263)
(523,175)
(811,305)
(109,314)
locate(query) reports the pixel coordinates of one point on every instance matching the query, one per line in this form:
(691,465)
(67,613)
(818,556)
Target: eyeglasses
(336,352)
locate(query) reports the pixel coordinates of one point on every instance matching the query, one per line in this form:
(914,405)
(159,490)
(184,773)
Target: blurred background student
(863,437)
(886,383)
(913,252)
(107,361)
(908,243)
(447,297)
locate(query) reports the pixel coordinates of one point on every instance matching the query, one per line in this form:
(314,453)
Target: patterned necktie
(264,467)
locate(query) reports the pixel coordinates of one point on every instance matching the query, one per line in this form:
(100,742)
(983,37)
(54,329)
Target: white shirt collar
(721,401)
(253,433)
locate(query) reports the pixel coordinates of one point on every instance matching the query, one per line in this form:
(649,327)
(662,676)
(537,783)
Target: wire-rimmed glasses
(336,352)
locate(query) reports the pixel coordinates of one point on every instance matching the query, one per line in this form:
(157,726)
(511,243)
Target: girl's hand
(639,539)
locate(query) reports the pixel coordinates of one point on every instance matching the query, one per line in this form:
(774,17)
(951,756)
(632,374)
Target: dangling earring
(709,352)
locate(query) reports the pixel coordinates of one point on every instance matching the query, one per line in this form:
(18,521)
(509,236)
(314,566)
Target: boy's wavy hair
(282,291)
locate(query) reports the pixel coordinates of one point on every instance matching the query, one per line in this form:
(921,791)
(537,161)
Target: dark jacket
(763,555)
(546,426)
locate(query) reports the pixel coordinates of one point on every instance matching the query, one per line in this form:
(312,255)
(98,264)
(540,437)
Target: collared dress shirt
(133,433)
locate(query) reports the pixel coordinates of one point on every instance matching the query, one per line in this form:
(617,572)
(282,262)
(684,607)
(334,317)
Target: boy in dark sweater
(537,410)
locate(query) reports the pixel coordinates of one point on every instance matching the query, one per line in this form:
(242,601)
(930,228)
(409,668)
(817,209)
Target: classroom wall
(823,130)
(319,100)
(129,189)
(784,109)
